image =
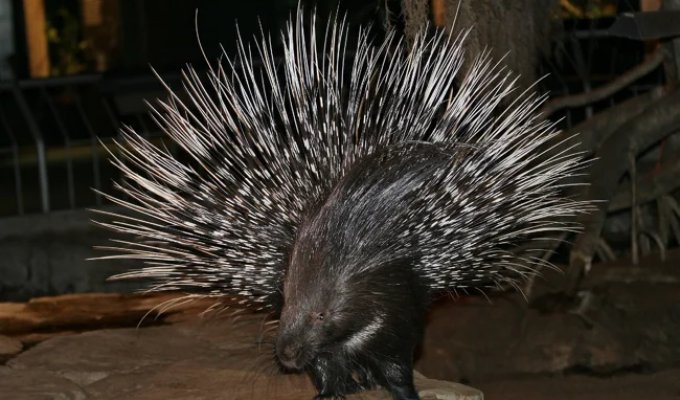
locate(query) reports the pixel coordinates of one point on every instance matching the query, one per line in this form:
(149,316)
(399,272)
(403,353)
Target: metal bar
(634,248)
(94,145)
(15,160)
(647,25)
(50,82)
(61,127)
(112,115)
(642,26)
(39,145)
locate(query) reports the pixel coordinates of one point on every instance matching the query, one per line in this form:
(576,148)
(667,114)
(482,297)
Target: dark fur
(348,267)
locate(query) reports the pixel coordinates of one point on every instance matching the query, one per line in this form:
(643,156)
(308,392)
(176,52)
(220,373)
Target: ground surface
(659,385)
(617,339)
(215,360)
(212,360)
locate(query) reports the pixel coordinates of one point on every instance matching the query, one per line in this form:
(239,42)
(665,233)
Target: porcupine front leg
(396,375)
(400,383)
(332,377)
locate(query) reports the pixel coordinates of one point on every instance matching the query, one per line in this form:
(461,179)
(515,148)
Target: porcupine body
(344,192)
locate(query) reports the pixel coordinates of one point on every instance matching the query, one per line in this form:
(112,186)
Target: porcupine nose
(289,355)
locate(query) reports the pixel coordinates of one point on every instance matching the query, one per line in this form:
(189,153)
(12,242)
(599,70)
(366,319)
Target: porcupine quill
(344,192)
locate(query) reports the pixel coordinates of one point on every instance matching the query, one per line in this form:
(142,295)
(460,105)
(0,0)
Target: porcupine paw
(329,397)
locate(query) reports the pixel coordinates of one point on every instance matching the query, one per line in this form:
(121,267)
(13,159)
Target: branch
(588,136)
(45,316)
(657,121)
(649,189)
(608,89)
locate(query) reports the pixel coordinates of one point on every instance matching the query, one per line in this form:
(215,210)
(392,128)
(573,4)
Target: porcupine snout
(298,338)
(292,352)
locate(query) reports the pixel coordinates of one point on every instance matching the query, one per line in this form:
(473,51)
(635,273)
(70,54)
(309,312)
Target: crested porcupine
(344,192)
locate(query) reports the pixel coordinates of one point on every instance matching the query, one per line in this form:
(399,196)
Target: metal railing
(51,130)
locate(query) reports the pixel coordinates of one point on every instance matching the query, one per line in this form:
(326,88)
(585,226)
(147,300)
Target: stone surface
(661,385)
(622,328)
(19,384)
(623,320)
(444,390)
(190,360)
(9,346)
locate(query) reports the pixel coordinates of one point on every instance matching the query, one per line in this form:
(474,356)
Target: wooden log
(45,317)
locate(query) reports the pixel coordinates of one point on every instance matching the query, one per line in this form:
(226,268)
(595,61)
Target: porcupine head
(350,290)
(355,186)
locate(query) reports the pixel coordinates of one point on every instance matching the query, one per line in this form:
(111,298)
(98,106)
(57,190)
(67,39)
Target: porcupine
(344,192)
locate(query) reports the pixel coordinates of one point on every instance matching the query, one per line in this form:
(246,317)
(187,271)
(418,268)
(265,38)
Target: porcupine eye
(318,317)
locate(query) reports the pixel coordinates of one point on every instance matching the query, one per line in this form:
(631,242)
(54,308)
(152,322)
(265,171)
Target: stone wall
(46,254)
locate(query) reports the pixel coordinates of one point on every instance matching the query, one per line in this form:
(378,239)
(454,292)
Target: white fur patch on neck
(362,336)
